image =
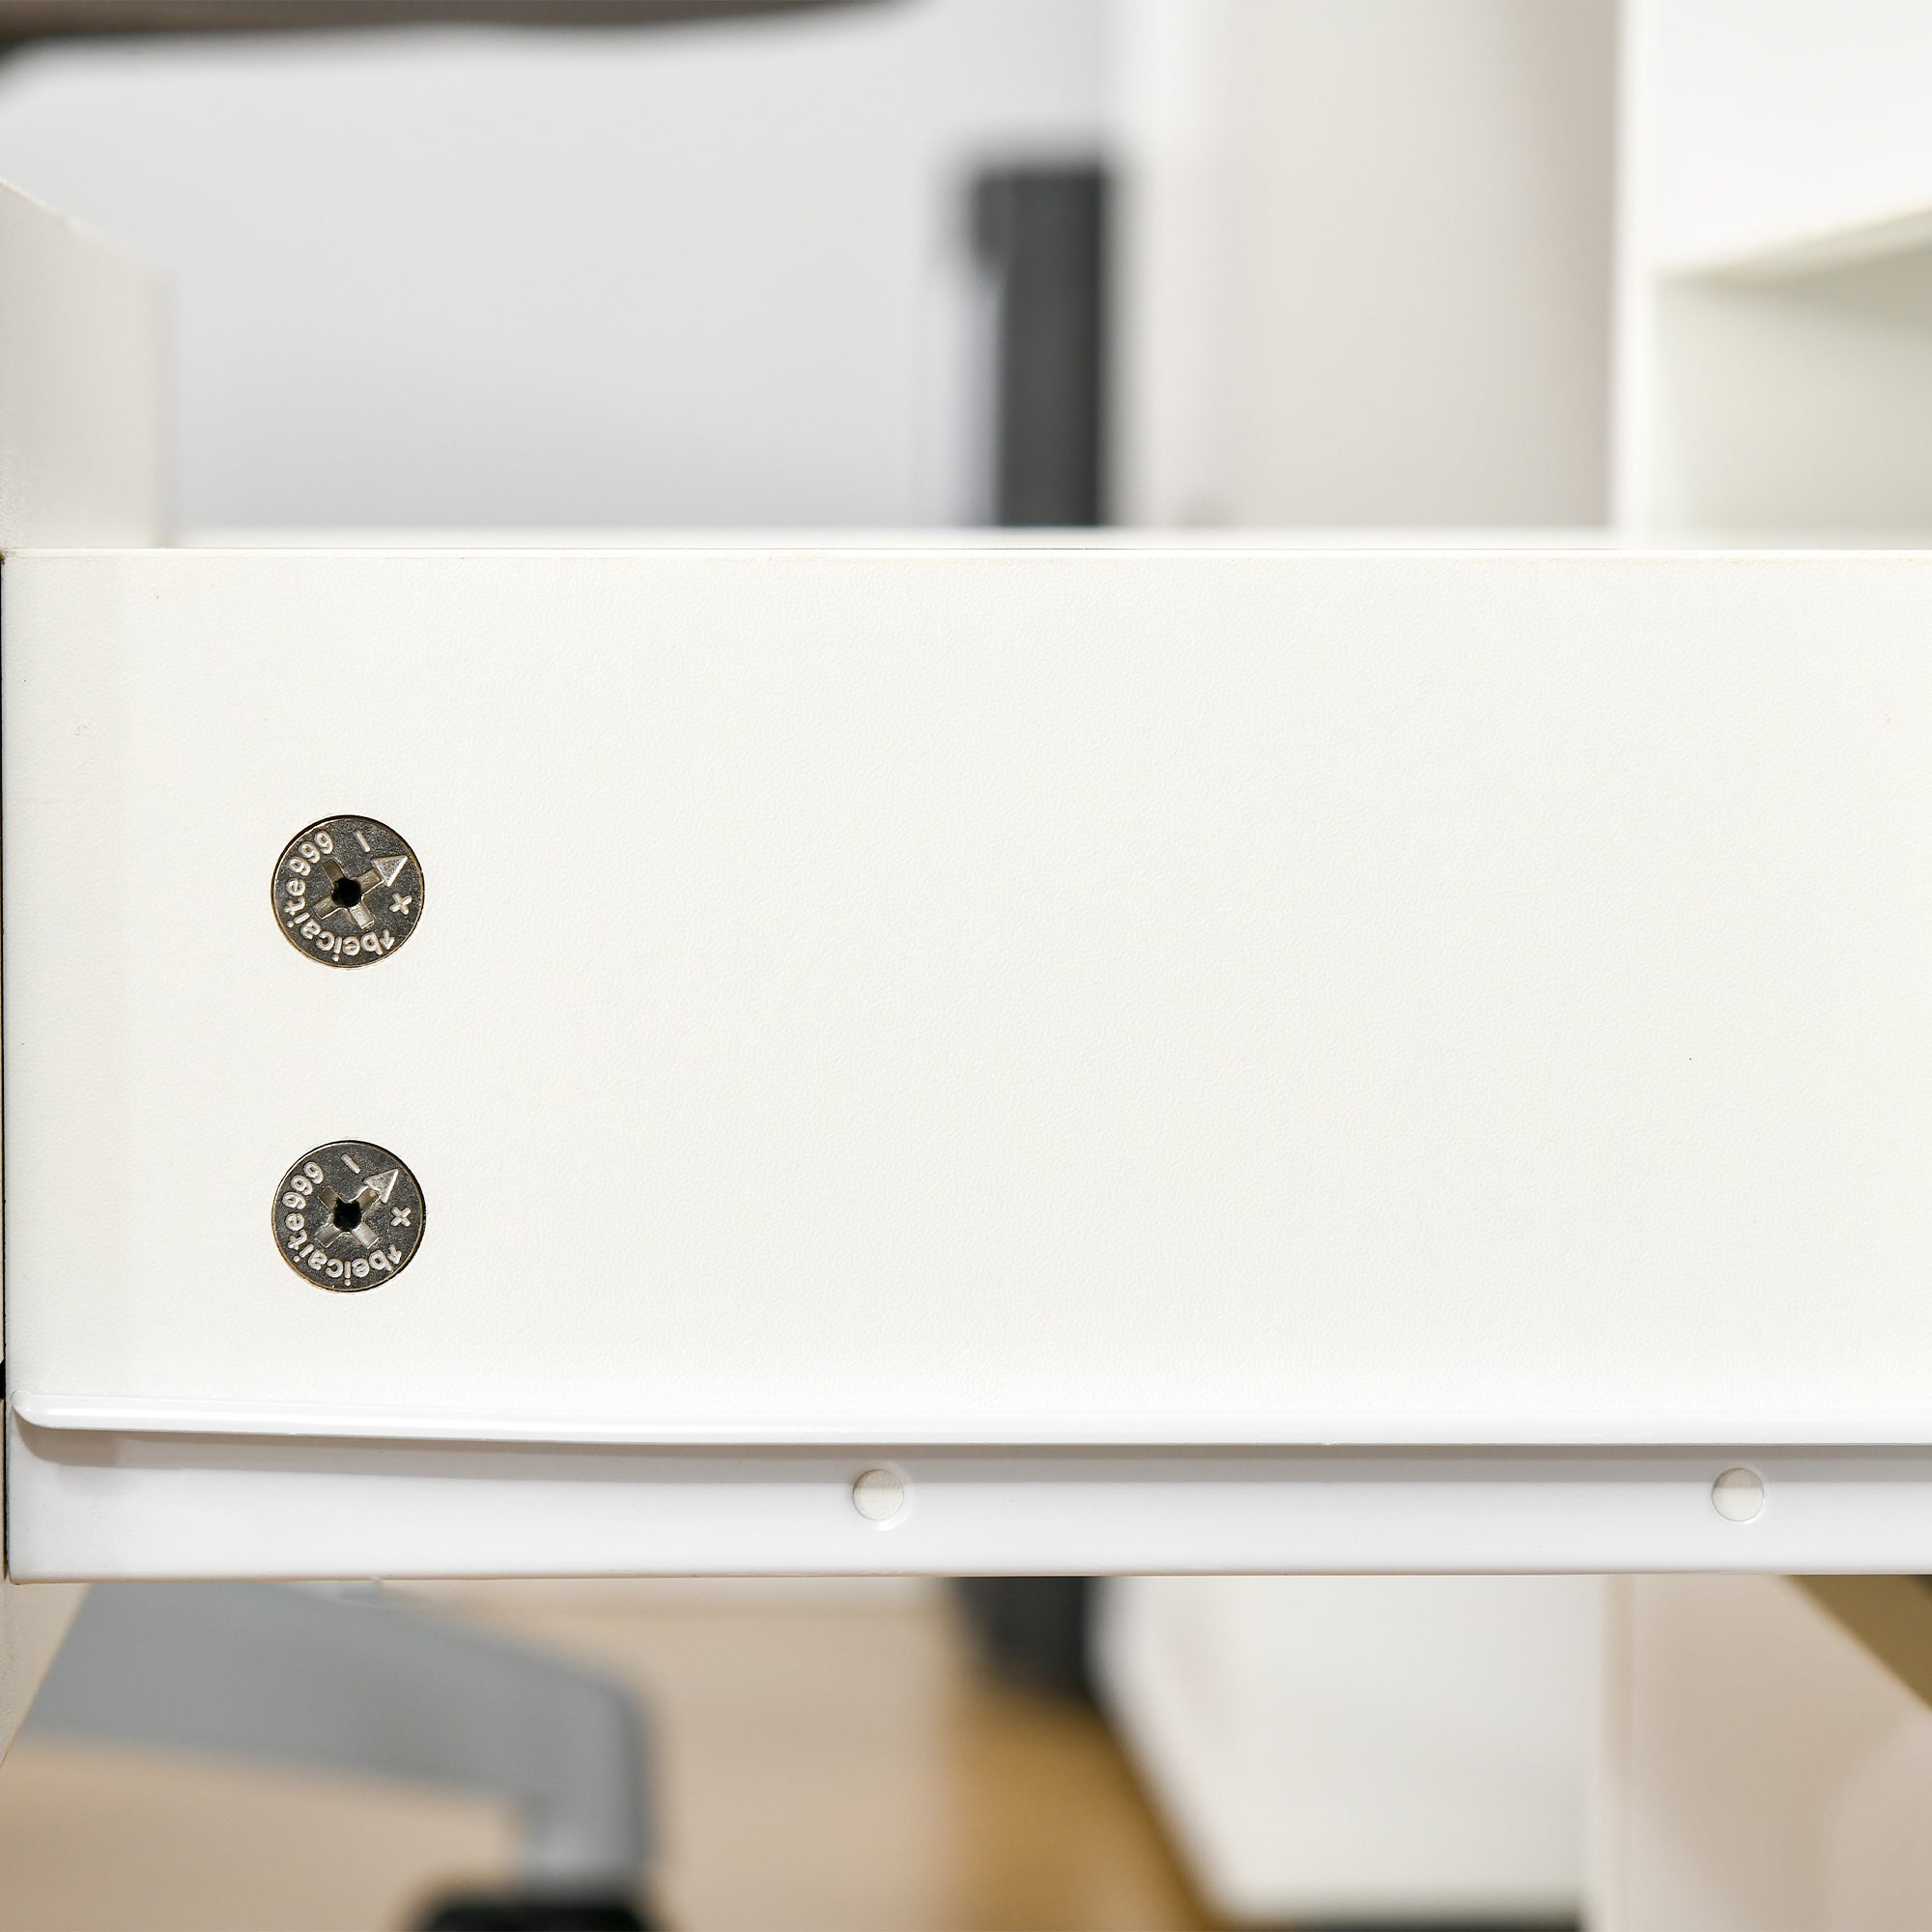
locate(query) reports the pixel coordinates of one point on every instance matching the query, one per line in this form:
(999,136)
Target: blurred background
(1470,269)
(729,274)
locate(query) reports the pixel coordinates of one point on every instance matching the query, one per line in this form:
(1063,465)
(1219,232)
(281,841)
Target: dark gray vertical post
(1041,234)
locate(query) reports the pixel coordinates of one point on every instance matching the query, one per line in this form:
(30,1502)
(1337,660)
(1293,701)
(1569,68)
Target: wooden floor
(826,1757)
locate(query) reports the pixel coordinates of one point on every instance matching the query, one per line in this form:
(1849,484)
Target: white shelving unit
(1774,341)
(1775,386)
(1662,268)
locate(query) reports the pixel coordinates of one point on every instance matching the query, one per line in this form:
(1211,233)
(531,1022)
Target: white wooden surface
(1336,1749)
(80,412)
(1776,118)
(1775,270)
(1017,996)
(80,384)
(1245,990)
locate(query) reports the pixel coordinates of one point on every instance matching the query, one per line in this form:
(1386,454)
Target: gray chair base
(347,1682)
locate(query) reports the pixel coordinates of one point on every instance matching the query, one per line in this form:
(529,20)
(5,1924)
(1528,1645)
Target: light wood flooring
(828,1756)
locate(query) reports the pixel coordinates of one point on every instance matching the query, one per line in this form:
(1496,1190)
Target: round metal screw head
(347,1216)
(348,891)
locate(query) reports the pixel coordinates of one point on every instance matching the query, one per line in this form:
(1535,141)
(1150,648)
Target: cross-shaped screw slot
(346,890)
(349,1214)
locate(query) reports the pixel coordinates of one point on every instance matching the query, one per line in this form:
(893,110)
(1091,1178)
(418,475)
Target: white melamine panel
(1133,996)
(1794,406)
(80,384)
(102,1501)
(1772,120)
(1366,1749)
(80,412)
(1775,332)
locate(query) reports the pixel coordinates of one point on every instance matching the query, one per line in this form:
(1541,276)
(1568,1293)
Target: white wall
(697,276)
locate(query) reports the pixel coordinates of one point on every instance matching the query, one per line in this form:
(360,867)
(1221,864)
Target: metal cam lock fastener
(348,1216)
(346,891)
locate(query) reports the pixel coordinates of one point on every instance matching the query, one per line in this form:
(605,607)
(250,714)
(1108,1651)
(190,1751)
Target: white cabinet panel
(80,384)
(1122,998)
(1364,1749)
(80,416)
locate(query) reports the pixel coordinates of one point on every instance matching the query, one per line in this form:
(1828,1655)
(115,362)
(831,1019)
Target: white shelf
(1776,302)
(1802,256)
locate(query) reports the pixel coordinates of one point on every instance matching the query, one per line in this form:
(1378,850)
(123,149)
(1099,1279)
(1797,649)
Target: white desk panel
(1027,997)
(80,462)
